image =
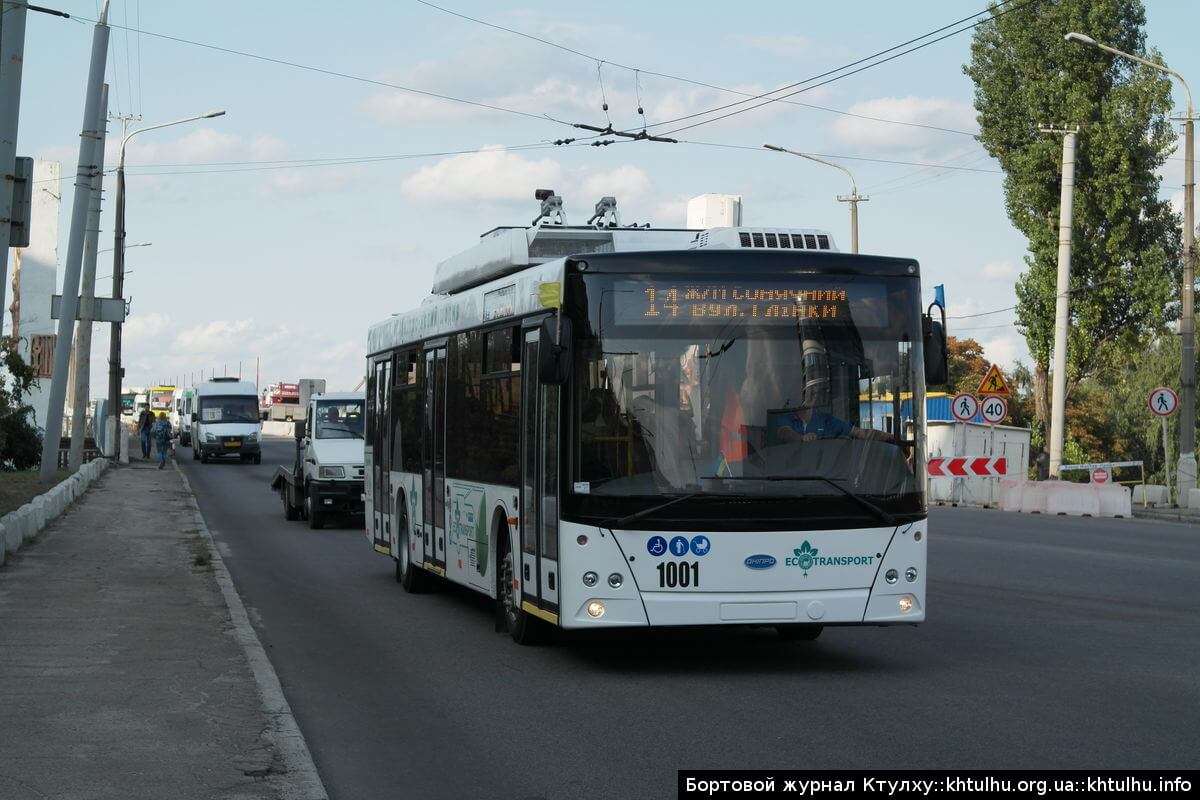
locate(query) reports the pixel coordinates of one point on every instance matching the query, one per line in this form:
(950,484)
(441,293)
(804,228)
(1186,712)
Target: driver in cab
(808,423)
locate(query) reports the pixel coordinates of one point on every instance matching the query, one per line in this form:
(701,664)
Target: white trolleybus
(616,426)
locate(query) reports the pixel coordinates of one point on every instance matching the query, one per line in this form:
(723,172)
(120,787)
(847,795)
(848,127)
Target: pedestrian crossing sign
(993,383)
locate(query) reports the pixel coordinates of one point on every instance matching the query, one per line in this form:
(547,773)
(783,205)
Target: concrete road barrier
(1064,498)
(279,428)
(1151,494)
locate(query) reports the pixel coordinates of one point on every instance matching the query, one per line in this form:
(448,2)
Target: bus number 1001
(679,573)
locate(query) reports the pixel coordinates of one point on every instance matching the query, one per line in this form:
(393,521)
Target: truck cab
(331,455)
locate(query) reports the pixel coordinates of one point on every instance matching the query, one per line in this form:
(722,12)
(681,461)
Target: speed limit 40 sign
(994,409)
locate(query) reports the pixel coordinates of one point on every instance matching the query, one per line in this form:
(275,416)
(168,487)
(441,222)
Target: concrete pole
(853,198)
(70,290)
(87,301)
(12,56)
(1185,473)
(1062,299)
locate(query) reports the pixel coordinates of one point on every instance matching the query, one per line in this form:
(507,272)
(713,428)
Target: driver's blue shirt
(822,424)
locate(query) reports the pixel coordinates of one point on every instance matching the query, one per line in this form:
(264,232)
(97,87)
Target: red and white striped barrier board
(967,467)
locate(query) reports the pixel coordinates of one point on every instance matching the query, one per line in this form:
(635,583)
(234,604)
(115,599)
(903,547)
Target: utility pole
(853,199)
(115,372)
(81,391)
(1062,298)
(12,54)
(69,308)
(1185,473)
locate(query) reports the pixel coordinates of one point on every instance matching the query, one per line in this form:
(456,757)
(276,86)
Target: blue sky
(289,264)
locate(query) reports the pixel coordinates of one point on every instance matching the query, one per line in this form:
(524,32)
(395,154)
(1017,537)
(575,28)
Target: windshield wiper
(351,431)
(883,516)
(645,512)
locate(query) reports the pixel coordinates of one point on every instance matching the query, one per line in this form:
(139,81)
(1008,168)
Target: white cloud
(889,139)
(145,326)
(1000,270)
(201,145)
(1003,350)
(214,337)
(624,181)
(309,180)
(491,175)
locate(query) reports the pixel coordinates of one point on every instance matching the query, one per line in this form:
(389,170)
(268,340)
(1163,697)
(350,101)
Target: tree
(967,364)
(1126,254)
(20,444)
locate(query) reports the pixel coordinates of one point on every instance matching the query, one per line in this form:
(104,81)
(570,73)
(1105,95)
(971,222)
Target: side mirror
(555,350)
(937,368)
(301,429)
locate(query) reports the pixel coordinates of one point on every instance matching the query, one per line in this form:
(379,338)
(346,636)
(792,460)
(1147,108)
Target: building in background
(34,271)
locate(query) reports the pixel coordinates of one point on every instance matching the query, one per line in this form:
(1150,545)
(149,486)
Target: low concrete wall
(1065,498)
(278,428)
(22,525)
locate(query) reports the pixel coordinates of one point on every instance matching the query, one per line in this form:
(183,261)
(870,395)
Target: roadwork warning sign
(993,383)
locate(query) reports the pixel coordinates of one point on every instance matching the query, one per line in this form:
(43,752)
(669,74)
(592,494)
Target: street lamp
(851,198)
(1186,470)
(118,276)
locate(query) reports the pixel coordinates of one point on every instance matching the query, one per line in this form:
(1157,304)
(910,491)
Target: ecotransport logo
(806,557)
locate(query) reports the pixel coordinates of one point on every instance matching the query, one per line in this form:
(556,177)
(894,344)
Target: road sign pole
(1167,457)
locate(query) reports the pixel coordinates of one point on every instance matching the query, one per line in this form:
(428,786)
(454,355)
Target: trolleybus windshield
(732,387)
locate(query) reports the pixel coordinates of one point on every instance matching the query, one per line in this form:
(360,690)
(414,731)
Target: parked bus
(606,426)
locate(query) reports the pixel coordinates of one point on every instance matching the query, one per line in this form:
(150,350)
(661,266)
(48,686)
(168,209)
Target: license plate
(233,444)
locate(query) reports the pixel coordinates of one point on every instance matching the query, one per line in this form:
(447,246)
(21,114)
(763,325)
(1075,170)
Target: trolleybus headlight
(910,574)
(906,604)
(332,472)
(615,580)
(891,576)
(590,579)
(595,609)
(917,536)
(581,539)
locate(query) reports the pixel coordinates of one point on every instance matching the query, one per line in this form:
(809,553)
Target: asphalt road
(1052,642)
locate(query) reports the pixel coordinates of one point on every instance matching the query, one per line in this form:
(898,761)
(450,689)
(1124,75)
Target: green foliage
(1126,249)
(20,443)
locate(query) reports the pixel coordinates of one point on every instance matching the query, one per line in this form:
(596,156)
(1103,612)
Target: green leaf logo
(805,554)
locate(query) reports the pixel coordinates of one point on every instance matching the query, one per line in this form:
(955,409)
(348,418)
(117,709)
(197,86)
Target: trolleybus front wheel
(412,578)
(522,626)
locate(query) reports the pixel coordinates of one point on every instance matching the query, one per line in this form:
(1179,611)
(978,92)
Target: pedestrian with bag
(162,437)
(145,427)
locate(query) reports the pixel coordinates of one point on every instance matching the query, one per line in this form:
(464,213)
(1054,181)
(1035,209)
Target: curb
(20,527)
(300,781)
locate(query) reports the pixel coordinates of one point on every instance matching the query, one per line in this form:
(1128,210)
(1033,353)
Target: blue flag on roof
(939,295)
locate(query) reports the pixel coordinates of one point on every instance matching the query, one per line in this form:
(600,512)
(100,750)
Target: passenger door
(381,456)
(434,468)
(539,487)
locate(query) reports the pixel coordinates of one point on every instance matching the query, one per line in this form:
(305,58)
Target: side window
(410,405)
(372,422)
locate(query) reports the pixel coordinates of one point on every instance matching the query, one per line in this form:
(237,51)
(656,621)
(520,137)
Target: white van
(225,421)
(182,406)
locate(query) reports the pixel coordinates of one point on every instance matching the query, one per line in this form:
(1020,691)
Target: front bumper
(212,449)
(338,497)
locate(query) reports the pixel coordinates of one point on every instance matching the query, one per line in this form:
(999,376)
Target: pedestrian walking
(145,427)
(162,437)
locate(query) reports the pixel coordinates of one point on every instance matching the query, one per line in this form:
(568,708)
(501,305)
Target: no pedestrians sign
(1163,401)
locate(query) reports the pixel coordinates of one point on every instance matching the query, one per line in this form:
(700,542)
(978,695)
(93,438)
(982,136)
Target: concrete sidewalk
(127,666)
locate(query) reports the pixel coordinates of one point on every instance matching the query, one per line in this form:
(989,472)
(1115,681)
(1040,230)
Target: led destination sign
(762,302)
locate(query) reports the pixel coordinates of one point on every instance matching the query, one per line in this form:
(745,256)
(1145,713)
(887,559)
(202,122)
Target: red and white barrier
(967,467)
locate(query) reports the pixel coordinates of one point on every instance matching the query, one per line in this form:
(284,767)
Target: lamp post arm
(853,186)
